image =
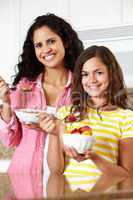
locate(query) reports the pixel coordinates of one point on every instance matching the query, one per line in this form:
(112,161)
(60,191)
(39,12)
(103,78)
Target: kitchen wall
(101,22)
(91,18)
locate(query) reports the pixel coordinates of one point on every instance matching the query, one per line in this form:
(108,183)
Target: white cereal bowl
(29,116)
(79,142)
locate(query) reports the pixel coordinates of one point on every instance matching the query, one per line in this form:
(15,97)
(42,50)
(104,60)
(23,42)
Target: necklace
(106,105)
(98,107)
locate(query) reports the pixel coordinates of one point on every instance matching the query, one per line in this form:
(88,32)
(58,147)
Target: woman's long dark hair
(28,65)
(116,92)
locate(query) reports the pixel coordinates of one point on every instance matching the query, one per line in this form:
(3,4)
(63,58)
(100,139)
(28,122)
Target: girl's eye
(99,72)
(38,45)
(84,74)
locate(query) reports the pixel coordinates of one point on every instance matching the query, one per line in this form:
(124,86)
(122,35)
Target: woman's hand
(4,91)
(49,124)
(34,126)
(6,111)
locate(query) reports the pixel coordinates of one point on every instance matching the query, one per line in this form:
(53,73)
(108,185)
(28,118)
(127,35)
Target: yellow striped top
(108,130)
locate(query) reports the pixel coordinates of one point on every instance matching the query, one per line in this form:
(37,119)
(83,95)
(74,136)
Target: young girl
(49,53)
(99,97)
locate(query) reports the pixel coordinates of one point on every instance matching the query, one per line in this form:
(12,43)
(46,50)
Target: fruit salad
(76,126)
(85,130)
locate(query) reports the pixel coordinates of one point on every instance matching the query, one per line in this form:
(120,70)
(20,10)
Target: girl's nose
(92,78)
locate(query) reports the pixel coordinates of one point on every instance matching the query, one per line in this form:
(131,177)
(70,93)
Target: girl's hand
(90,154)
(72,153)
(4,91)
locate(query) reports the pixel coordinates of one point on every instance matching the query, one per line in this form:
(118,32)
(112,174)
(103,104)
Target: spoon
(25,89)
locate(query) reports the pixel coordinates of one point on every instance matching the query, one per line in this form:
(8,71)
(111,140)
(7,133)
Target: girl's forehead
(93,63)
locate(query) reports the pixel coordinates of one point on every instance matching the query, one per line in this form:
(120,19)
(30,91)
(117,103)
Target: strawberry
(71,118)
(85,128)
(75,131)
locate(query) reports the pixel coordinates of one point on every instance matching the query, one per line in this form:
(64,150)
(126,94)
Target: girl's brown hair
(116,92)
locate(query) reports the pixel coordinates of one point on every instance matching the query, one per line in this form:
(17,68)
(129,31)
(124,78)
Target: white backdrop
(17,15)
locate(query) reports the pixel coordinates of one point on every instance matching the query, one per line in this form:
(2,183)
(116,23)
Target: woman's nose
(46,49)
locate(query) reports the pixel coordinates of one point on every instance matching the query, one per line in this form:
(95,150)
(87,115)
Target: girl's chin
(94,95)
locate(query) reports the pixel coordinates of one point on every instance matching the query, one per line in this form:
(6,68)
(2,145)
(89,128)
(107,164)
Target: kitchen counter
(25,186)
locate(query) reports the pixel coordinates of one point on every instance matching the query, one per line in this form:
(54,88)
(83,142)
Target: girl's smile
(95,78)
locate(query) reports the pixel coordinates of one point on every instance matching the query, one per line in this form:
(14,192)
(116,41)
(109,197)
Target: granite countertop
(26,186)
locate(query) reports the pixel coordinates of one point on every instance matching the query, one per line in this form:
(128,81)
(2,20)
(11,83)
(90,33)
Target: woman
(99,99)
(45,68)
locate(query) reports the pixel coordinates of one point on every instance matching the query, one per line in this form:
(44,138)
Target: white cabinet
(95,13)
(90,14)
(128,11)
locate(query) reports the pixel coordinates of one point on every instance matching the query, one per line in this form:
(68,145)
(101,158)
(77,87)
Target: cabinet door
(9,36)
(94,13)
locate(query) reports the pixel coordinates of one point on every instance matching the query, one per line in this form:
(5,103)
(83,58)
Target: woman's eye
(51,41)
(37,45)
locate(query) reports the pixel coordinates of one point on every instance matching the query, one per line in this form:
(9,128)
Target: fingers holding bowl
(72,153)
(48,123)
